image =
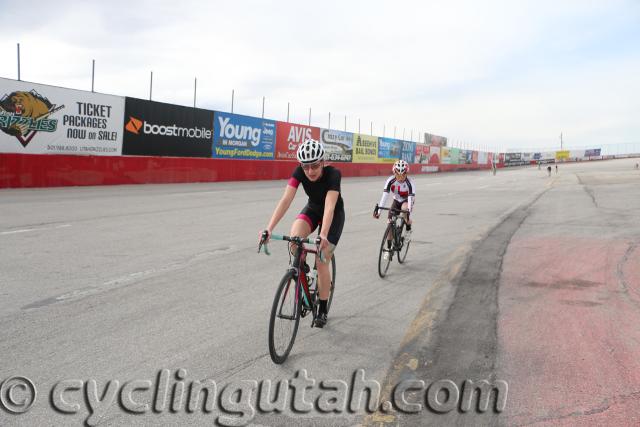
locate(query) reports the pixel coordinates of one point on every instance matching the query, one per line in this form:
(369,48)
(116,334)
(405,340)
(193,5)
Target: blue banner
(243,137)
(389,149)
(408,151)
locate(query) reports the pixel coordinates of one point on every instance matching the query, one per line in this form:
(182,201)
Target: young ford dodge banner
(243,137)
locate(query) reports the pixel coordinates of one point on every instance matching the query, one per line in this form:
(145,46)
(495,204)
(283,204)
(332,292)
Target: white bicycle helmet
(310,151)
(401,167)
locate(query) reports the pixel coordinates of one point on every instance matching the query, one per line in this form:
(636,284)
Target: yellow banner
(562,154)
(365,148)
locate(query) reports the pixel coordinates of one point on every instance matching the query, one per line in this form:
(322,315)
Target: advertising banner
(514,159)
(243,137)
(159,129)
(576,154)
(389,150)
(40,119)
(445,155)
(545,157)
(454,156)
(365,148)
(562,155)
(434,154)
(289,136)
(431,139)
(483,158)
(466,157)
(422,154)
(338,145)
(408,150)
(592,152)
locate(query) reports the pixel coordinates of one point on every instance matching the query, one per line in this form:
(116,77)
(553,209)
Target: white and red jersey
(402,191)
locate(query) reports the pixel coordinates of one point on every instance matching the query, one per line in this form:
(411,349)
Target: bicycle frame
(301,276)
(395,214)
(299,257)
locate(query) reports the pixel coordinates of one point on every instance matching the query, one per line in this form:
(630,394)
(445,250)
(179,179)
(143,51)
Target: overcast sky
(503,74)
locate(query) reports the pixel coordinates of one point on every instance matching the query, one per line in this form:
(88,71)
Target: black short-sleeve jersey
(317,191)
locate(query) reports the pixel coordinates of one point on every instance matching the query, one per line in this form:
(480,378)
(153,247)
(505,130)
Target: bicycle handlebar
(394,210)
(296,240)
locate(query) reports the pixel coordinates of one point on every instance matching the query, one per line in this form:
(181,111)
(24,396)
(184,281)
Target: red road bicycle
(296,296)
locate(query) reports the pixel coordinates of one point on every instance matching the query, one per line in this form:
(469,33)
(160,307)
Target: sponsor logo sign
(365,148)
(40,119)
(289,136)
(389,150)
(422,154)
(338,145)
(434,154)
(243,137)
(159,129)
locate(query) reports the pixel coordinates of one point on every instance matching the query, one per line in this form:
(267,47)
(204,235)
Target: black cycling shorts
(314,219)
(397,206)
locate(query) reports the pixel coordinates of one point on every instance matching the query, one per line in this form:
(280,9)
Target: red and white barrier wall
(45,170)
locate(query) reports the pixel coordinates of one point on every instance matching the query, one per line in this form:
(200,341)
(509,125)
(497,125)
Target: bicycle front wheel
(285,318)
(402,253)
(383,264)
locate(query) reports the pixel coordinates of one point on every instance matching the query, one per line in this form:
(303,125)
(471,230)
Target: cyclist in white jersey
(403,192)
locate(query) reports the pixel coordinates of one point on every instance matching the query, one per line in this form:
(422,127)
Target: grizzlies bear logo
(23,114)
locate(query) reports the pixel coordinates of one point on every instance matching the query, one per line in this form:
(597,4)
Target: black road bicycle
(296,296)
(395,229)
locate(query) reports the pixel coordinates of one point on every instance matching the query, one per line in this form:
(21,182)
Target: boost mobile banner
(40,119)
(243,137)
(159,129)
(338,145)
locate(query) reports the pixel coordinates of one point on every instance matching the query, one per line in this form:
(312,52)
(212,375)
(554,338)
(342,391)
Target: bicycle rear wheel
(402,253)
(285,318)
(383,264)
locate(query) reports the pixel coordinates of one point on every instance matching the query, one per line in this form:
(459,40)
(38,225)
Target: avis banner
(41,119)
(289,136)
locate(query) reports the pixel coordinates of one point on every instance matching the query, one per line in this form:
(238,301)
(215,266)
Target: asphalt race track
(518,279)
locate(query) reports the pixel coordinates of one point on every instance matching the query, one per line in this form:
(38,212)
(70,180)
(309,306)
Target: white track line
(28,230)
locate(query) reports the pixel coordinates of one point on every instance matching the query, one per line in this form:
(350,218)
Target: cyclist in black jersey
(324,208)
